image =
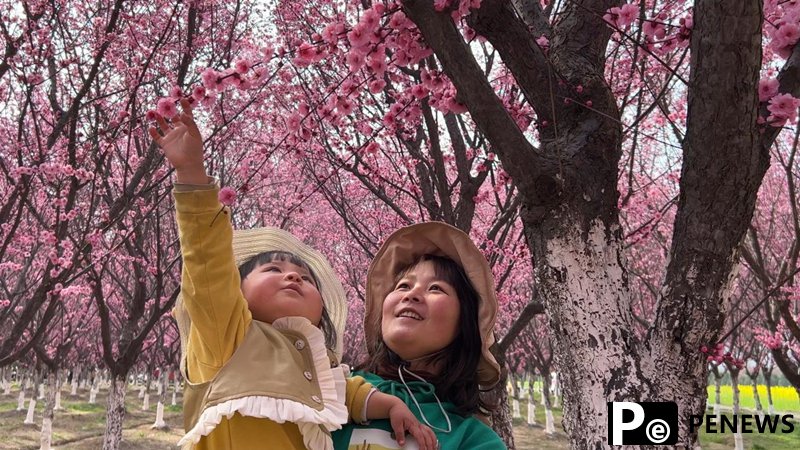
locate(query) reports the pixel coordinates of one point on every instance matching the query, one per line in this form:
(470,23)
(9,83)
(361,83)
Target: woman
(429,322)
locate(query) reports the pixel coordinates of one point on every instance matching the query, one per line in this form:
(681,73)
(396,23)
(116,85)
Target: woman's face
(421,315)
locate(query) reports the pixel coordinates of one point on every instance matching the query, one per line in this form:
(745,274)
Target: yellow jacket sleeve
(356,397)
(210,283)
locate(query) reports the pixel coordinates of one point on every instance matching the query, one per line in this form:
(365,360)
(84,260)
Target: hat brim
(249,243)
(407,244)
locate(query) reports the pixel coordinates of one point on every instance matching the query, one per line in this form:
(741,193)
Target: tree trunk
(514,397)
(756,397)
(21,400)
(737,436)
(587,303)
(717,396)
(163,385)
(549,425)
(501,418)
(531,401)
(49,407)
(767,373)
(115,412)
(94,388)
(556,390)
(29,418)
(76,373)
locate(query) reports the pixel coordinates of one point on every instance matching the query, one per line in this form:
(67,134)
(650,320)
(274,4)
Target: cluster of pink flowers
(718,355)
(442,92)
(621,17)
(782,108)
(773,341)
(784,37)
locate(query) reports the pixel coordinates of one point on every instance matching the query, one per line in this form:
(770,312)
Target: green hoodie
(468,433)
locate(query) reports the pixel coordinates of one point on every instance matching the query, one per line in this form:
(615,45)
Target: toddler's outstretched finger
(186,107)
(187,117)
(162,124)
(154,134)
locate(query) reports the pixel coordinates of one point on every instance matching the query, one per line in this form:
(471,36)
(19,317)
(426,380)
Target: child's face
(281,289)
(421,315)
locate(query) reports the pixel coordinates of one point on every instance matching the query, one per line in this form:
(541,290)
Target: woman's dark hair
(457,381)
(325,323)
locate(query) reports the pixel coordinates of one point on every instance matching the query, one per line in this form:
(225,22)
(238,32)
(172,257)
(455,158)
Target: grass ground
(81,426)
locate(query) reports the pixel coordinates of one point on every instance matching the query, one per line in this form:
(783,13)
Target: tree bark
(163,386)
(768,382)
(115,412)
(717,399)
(737,435)
(549,423)
(531,401)
(501,417)
(756,397)
(47,415)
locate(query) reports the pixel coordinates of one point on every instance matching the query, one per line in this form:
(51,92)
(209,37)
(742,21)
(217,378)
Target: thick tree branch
(497,21)
(530,11)
(474,90)
(533,308)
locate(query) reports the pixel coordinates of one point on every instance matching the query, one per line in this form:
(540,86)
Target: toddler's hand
(182,145)
(403,419)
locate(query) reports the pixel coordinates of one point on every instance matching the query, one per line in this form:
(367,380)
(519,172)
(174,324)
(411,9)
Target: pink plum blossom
(211,79)
(175,92)
(376,86)
(355,60)
(654,29)
(242,66)
(227,196)
(622,17)
(166,108)
(441,5)
(767,88)
(359,36)
(543,42)
(783,108)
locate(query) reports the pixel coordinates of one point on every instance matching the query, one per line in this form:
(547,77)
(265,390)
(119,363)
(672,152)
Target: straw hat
(249,243)
(407,244)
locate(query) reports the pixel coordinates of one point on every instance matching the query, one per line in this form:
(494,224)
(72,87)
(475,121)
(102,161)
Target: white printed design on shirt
(375,439)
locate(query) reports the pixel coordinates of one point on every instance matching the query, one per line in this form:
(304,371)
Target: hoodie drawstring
(400,369)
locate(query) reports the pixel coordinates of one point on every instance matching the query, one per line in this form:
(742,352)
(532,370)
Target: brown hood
(407,244)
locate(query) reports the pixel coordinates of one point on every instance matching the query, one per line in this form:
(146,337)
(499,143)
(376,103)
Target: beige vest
(287,365)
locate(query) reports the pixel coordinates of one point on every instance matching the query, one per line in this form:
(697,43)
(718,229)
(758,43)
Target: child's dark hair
(325,323)
(457,381)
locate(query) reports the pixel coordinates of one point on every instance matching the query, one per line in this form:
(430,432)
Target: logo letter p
(617,409)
